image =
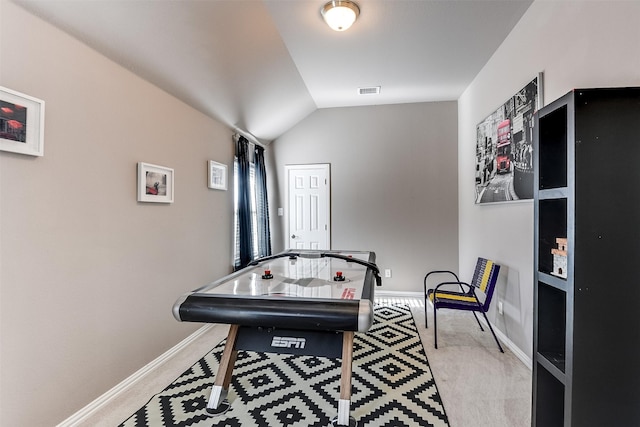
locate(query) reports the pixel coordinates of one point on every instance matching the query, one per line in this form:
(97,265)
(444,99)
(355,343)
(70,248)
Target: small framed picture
(155,183)
(21,123)
(217,175)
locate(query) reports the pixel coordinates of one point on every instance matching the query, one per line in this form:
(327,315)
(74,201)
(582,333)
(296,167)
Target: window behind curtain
(254,218)
(259,248)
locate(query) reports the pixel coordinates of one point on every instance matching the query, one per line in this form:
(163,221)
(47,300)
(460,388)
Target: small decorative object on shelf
(560,258)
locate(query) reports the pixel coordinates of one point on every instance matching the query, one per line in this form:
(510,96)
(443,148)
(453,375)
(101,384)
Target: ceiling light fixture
(340,14)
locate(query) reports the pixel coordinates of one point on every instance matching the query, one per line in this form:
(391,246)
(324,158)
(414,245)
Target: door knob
(293,236)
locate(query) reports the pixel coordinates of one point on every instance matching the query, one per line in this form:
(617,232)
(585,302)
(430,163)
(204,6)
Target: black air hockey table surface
(305,302)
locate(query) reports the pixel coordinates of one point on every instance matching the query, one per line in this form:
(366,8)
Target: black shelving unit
(586,368)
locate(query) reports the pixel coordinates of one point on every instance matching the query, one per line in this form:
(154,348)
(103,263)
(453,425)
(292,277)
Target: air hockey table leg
(217,400)
(344,404)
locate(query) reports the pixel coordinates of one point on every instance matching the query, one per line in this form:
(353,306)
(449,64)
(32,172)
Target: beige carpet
(479,386)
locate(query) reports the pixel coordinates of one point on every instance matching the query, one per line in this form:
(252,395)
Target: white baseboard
(103,400)
(514,348)
(394,294)
(507,342)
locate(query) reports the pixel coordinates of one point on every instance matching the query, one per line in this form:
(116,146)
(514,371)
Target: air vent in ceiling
(373,90)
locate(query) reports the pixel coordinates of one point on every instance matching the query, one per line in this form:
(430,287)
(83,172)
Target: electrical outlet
(500,308)
(387,273)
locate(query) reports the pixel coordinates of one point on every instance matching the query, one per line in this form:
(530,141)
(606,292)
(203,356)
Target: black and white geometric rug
(392,385)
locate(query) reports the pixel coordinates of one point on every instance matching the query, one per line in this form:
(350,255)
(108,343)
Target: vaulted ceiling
(261,66)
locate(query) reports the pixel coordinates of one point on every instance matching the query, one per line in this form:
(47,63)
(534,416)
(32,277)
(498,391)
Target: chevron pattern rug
(392,385)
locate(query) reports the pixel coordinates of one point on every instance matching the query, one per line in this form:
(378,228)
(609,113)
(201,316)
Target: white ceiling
(261,66)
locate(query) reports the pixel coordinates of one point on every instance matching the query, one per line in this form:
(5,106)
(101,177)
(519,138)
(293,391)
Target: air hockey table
(306,302)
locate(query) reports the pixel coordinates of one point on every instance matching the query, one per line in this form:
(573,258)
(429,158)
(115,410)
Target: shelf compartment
(553,149)
(552,220)
(549,410)
(552,309)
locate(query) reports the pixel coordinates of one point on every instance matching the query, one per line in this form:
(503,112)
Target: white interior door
(308,206)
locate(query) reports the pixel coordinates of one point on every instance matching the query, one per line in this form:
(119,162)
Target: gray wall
(576,44)
(393,183)
(87,274)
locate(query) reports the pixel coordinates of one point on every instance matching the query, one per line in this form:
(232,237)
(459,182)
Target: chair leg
(493,333)
(435,326)
(477,320)
(426,299)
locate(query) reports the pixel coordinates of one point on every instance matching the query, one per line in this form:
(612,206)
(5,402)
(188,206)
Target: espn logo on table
(288,342)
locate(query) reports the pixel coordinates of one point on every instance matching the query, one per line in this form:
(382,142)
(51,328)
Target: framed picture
(21,123)
(155,183)
(217,175)
(504,148)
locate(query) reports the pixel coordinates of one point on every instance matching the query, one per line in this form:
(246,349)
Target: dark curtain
(244,238)
(262,205)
